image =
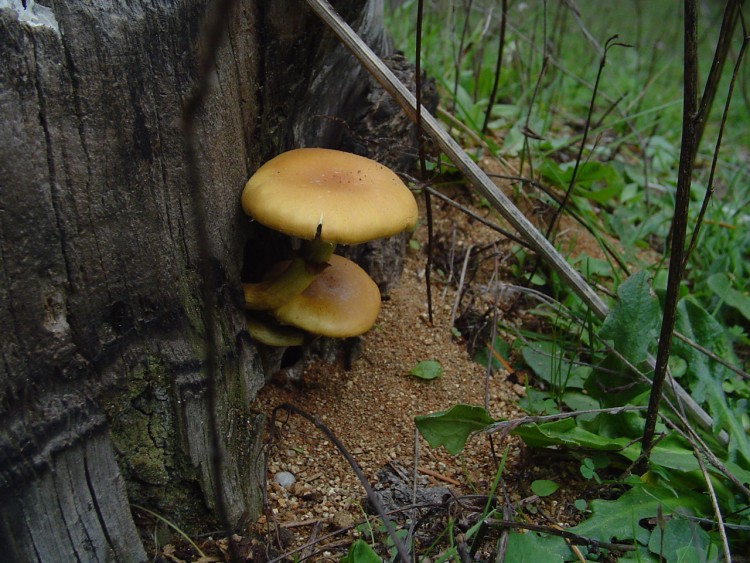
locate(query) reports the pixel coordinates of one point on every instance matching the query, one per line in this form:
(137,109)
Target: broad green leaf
(501,348)
(531,548)
(722,287)
(578,401)
(705,374)
(544,487)
(361,552)
(620,519)
(567,432)
(453,427)
(427,369)
(594,180)
(547,363)
(589,266)
(680,533)
(633,322)
(674,453)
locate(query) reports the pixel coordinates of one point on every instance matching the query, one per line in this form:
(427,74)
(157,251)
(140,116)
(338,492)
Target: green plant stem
(679,226)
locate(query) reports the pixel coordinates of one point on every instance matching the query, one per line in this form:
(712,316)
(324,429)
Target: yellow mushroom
(341,302)
(325,197)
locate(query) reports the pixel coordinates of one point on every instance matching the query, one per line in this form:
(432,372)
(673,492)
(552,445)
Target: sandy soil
(371,407)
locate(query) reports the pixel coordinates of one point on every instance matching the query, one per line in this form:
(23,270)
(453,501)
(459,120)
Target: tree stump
(103,379)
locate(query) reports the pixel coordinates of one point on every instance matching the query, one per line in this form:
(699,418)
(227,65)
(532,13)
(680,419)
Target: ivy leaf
(427,369)
(453,427)
(633,323)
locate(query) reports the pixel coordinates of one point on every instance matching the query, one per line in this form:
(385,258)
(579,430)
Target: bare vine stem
(679,223)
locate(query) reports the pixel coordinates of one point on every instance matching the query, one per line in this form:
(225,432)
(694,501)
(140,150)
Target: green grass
(625,190)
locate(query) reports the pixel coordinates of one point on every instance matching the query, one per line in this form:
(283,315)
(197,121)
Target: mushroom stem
(273,293)
(273,334)
(317,251)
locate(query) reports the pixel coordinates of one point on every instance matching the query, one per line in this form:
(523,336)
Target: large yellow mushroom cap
(352,198)
(341,302)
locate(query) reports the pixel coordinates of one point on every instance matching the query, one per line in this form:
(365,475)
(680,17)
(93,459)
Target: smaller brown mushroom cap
(270,333)
(341,302)
(351,198)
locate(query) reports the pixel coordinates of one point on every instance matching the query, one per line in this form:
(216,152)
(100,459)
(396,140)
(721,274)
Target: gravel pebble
(284,479)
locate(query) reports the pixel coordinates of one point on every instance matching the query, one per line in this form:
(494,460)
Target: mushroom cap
(270,333)
(355,199)
(341,302)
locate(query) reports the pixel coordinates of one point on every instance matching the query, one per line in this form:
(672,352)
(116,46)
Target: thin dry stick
(372,497)
(526,127)
(732,12)
(710,354)
(415,484)
(423,160)
(460,54)
(611,42)
(477,217)
(498,66)
(606,246)
(715,159)
(493,332)
(308,551)
(508,425)
(679,222)
(714,505)
(573,538)
(285,556)
(460,288)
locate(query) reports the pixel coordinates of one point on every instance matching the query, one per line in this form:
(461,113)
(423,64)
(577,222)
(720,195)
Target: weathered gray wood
(101,379)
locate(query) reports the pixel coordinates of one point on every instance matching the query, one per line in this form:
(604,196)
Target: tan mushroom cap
(341,302)
(354,198)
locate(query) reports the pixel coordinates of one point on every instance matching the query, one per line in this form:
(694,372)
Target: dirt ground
(371,406)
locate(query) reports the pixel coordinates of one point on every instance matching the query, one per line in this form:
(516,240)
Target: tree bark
(102,380)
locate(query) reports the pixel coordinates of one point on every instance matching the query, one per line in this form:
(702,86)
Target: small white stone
(284,479)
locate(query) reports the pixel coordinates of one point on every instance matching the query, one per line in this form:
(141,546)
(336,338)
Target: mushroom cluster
(324,197)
